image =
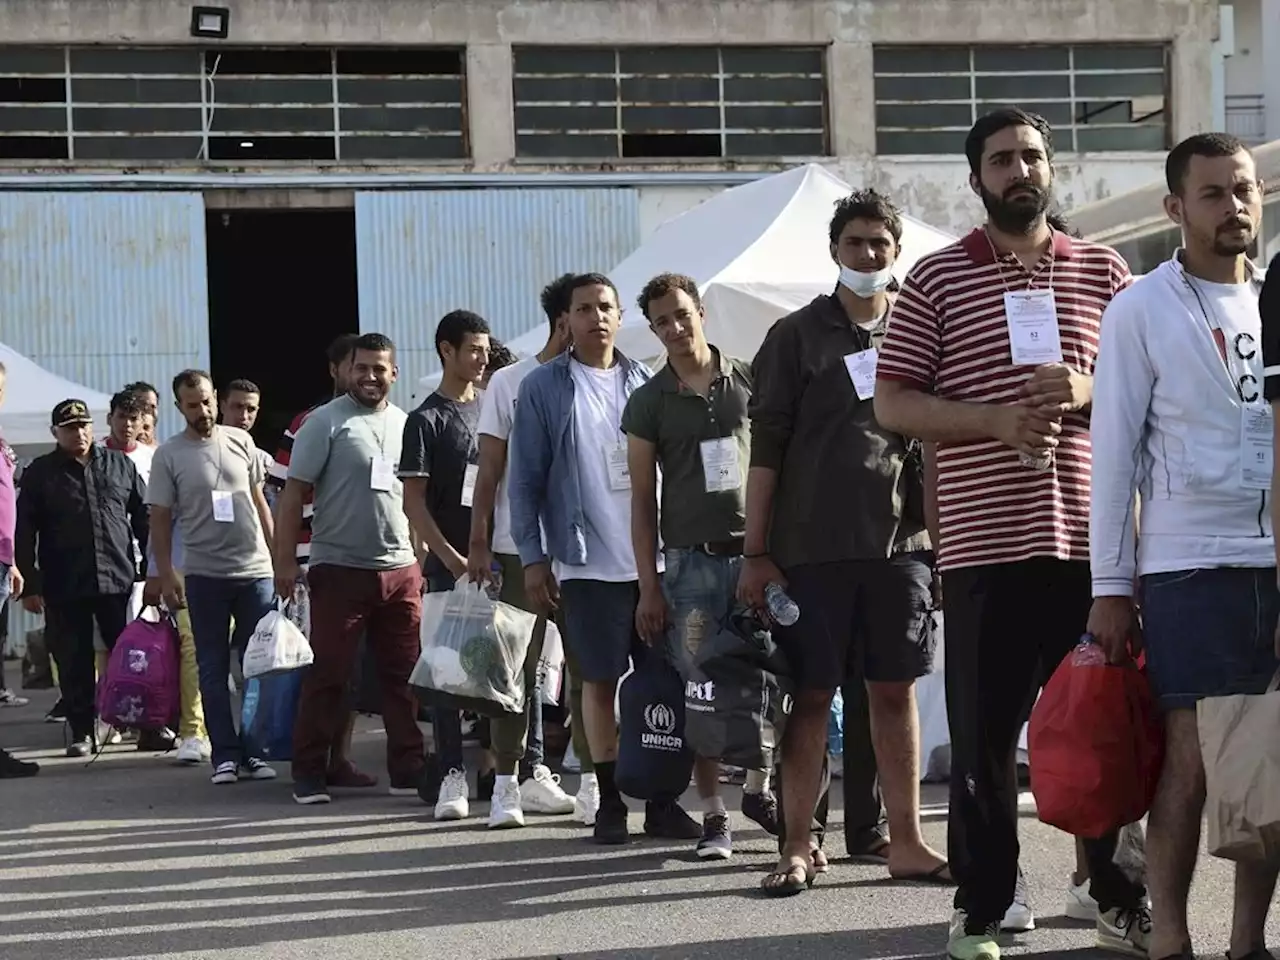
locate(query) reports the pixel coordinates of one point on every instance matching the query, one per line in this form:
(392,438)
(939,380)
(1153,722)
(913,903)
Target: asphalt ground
(135,856)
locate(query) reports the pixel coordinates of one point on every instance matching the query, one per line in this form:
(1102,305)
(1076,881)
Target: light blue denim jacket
(542,475)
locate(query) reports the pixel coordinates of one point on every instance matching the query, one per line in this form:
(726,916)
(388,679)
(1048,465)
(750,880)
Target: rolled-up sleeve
(1269,307)
(775,396)
(912,346)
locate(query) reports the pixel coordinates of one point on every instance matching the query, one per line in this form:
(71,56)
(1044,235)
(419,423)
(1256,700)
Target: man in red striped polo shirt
(990,354)
(342,772)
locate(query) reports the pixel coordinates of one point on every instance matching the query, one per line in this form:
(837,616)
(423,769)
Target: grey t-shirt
(349,453)
(207,484)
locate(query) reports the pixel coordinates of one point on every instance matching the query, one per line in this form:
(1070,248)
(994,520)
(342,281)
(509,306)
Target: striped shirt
(948,336)
(278,473)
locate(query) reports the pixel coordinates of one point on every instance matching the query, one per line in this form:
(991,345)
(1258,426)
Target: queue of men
(636,509)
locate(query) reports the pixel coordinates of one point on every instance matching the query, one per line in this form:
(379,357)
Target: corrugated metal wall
(104,289)
(422,254)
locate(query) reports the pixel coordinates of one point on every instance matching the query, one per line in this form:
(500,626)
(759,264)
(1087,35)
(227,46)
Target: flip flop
(933,878)
(824,866)
(876,853)
(786,883)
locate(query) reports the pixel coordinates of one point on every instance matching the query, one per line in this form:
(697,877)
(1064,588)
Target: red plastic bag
(1096,745)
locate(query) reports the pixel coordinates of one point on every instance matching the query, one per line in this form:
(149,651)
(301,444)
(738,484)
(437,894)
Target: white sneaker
(504,809)
(194,750)
(1125,931)
(227,772)
(541,793)
(453,803)
(587,803)
(1080,903)
(1019,918)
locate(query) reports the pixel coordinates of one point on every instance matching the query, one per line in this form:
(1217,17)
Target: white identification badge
(469,484)
(1256,453)
(1032,316)
(382,474)
(223,506)
(862,371)
(619,471)
(720,467)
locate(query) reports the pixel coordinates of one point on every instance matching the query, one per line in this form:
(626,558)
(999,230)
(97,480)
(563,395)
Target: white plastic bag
(277,646)
(473,651)
(550,669)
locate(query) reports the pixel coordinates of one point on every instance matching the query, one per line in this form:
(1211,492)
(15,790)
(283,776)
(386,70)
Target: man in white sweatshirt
(1180,423)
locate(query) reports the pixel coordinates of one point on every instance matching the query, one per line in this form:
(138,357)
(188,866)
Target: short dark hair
(997,120)
(869,204)
(556,297)
(141,386)
(454,327)
(240,385)
(1178,162)
(189,378)
(373,343)
(500,356)
(665,283)
(589,280)
(342,348)
(128,402)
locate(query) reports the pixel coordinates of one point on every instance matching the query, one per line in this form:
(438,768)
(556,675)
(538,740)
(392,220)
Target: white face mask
(865,285)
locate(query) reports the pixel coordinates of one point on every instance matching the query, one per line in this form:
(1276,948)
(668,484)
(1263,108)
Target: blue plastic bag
(270,708)
(835,725)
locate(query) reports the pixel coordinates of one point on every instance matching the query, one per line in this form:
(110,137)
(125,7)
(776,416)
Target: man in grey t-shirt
(363,574)
(208,479)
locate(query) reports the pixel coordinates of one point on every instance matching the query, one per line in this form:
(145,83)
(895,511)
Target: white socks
(757,782)
(714,805)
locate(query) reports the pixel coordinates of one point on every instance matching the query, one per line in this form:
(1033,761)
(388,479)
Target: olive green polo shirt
(677,421)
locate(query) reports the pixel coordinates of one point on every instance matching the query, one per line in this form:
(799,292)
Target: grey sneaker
(10,699)
(717,841)
(1126,931)
(255,769)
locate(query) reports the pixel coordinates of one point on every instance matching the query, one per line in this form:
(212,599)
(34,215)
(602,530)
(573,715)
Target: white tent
(31,393)
(758,252)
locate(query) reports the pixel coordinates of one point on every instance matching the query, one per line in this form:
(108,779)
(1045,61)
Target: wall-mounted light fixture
(210,23)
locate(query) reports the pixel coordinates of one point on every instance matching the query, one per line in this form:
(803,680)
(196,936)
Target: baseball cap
(70,413)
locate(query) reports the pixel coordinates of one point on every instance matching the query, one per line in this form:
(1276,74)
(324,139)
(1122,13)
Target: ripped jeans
(700,591)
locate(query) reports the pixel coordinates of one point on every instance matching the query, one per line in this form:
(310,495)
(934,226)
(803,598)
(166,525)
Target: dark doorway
(282,286)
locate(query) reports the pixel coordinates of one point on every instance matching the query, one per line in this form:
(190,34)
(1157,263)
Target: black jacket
(77,525)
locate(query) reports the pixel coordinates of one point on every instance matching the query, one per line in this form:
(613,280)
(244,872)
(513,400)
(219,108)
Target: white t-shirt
(599,397)
(497,413)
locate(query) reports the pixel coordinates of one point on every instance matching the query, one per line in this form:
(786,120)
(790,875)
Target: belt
(722,548)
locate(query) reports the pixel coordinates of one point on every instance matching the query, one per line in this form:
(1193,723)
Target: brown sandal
(797,877)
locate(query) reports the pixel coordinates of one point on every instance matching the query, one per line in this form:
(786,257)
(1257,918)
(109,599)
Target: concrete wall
(934,189)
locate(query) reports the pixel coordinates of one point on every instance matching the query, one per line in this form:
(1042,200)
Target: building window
(1097,98)
(231,105)
(587,103)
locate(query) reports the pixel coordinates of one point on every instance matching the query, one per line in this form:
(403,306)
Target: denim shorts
(699,589)
(1209,632)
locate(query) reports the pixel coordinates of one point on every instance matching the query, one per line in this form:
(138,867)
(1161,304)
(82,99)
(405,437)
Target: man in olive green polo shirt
(690,420)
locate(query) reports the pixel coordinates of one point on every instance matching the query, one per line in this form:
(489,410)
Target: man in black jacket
(80,509)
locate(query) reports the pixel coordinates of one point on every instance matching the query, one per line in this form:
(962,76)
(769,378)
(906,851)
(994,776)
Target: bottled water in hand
(782,608)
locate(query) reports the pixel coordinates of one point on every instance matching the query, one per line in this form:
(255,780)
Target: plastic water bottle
(493,589)
(781,607)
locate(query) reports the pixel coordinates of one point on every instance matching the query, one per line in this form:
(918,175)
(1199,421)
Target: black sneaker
(57,713)
(157,741)
(762,808)
(429,785)
(668,821)
(611,823)
(307,792)
(716,842)
(11,768)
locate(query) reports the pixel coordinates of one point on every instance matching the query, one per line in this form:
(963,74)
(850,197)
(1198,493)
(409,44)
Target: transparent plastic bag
(473,651)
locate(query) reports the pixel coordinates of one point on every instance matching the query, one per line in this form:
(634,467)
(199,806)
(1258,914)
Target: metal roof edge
(395,181)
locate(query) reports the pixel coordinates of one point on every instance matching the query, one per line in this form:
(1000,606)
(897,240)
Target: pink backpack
(140,688)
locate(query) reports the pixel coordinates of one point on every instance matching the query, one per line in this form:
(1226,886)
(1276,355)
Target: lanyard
(1240,343)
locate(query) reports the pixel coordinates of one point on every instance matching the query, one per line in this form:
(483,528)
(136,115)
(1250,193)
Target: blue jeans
(700,590)
(446,724)
(213,603)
